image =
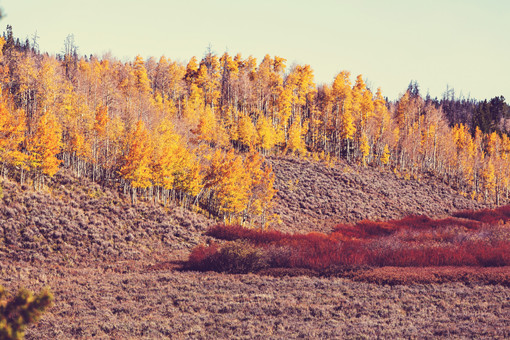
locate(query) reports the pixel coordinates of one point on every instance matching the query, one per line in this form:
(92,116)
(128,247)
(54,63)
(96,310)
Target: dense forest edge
(198,134)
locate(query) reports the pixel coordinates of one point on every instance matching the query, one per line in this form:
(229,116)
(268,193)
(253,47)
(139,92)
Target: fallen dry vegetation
(114,269)
(93,303)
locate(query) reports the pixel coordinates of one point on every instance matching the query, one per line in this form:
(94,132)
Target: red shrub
(490,255)
(414,241)
(313,251)
(370,229)
(237,232)
(489,216)
(423,257)
(202,256)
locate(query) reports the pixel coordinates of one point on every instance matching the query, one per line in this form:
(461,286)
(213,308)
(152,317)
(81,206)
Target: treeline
(103,120)
(488,115)
(197,132)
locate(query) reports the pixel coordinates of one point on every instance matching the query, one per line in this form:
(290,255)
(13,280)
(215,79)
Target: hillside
(314,197)
(77,220)
(112,265)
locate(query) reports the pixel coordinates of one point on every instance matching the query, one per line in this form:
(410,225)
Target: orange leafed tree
(12,134)
(266,134)
(296,143)
(136,168)
(246,131)
(229,183)
(262,189)
(43,147)
(385,157)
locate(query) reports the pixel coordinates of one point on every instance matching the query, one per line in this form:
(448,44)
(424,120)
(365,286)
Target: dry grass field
(115,269)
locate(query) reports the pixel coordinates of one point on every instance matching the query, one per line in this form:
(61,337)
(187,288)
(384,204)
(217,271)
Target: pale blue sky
(463,43)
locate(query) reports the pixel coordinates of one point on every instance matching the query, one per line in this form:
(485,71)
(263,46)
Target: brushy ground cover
(114,268)
(142,304)
(480,239)
(314,197)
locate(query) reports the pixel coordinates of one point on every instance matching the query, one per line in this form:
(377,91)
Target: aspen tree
(140,72)
(347,129)
(364,148)
(344,128)
(266,134)
(229,183)
(385,157)
(136,165)
(358,90)
(189,179)
(246,131)
(165,155)
(12,134)
(43,147)
(191,71)
(489,179)
(401,114)
(207,128)
(261,188)
(295,142)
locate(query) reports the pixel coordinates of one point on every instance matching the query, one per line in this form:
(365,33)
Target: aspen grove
(198,133)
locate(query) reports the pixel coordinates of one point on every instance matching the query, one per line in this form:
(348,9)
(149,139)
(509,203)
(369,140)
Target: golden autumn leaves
(231,185)
(40,148)
(195,133)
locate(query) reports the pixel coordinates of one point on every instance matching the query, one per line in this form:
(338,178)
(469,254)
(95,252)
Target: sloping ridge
(77,220)
(315,197)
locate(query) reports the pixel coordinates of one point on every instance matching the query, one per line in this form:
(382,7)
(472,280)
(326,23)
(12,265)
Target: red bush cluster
(489,216)
(415,241)
(236,232)
(201,257)
(370,229)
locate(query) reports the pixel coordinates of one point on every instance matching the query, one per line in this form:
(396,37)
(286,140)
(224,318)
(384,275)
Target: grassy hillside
(113,267)
(315,197)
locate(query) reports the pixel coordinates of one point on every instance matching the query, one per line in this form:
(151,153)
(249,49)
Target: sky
(462,44)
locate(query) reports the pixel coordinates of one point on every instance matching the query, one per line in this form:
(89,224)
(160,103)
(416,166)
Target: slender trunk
(133,196)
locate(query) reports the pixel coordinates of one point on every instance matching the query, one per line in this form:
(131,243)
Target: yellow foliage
(240,186)
(364,148)
(489,177)
(295,142)
(194,106)
(347,128)
(44,145)
(266,134)
(207,128)
(227,178)
(165,158)
(140,72)
(385,157)
(136,167)
(261,189)
(12,134)
(189,178)
(101,120)
(246,130)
